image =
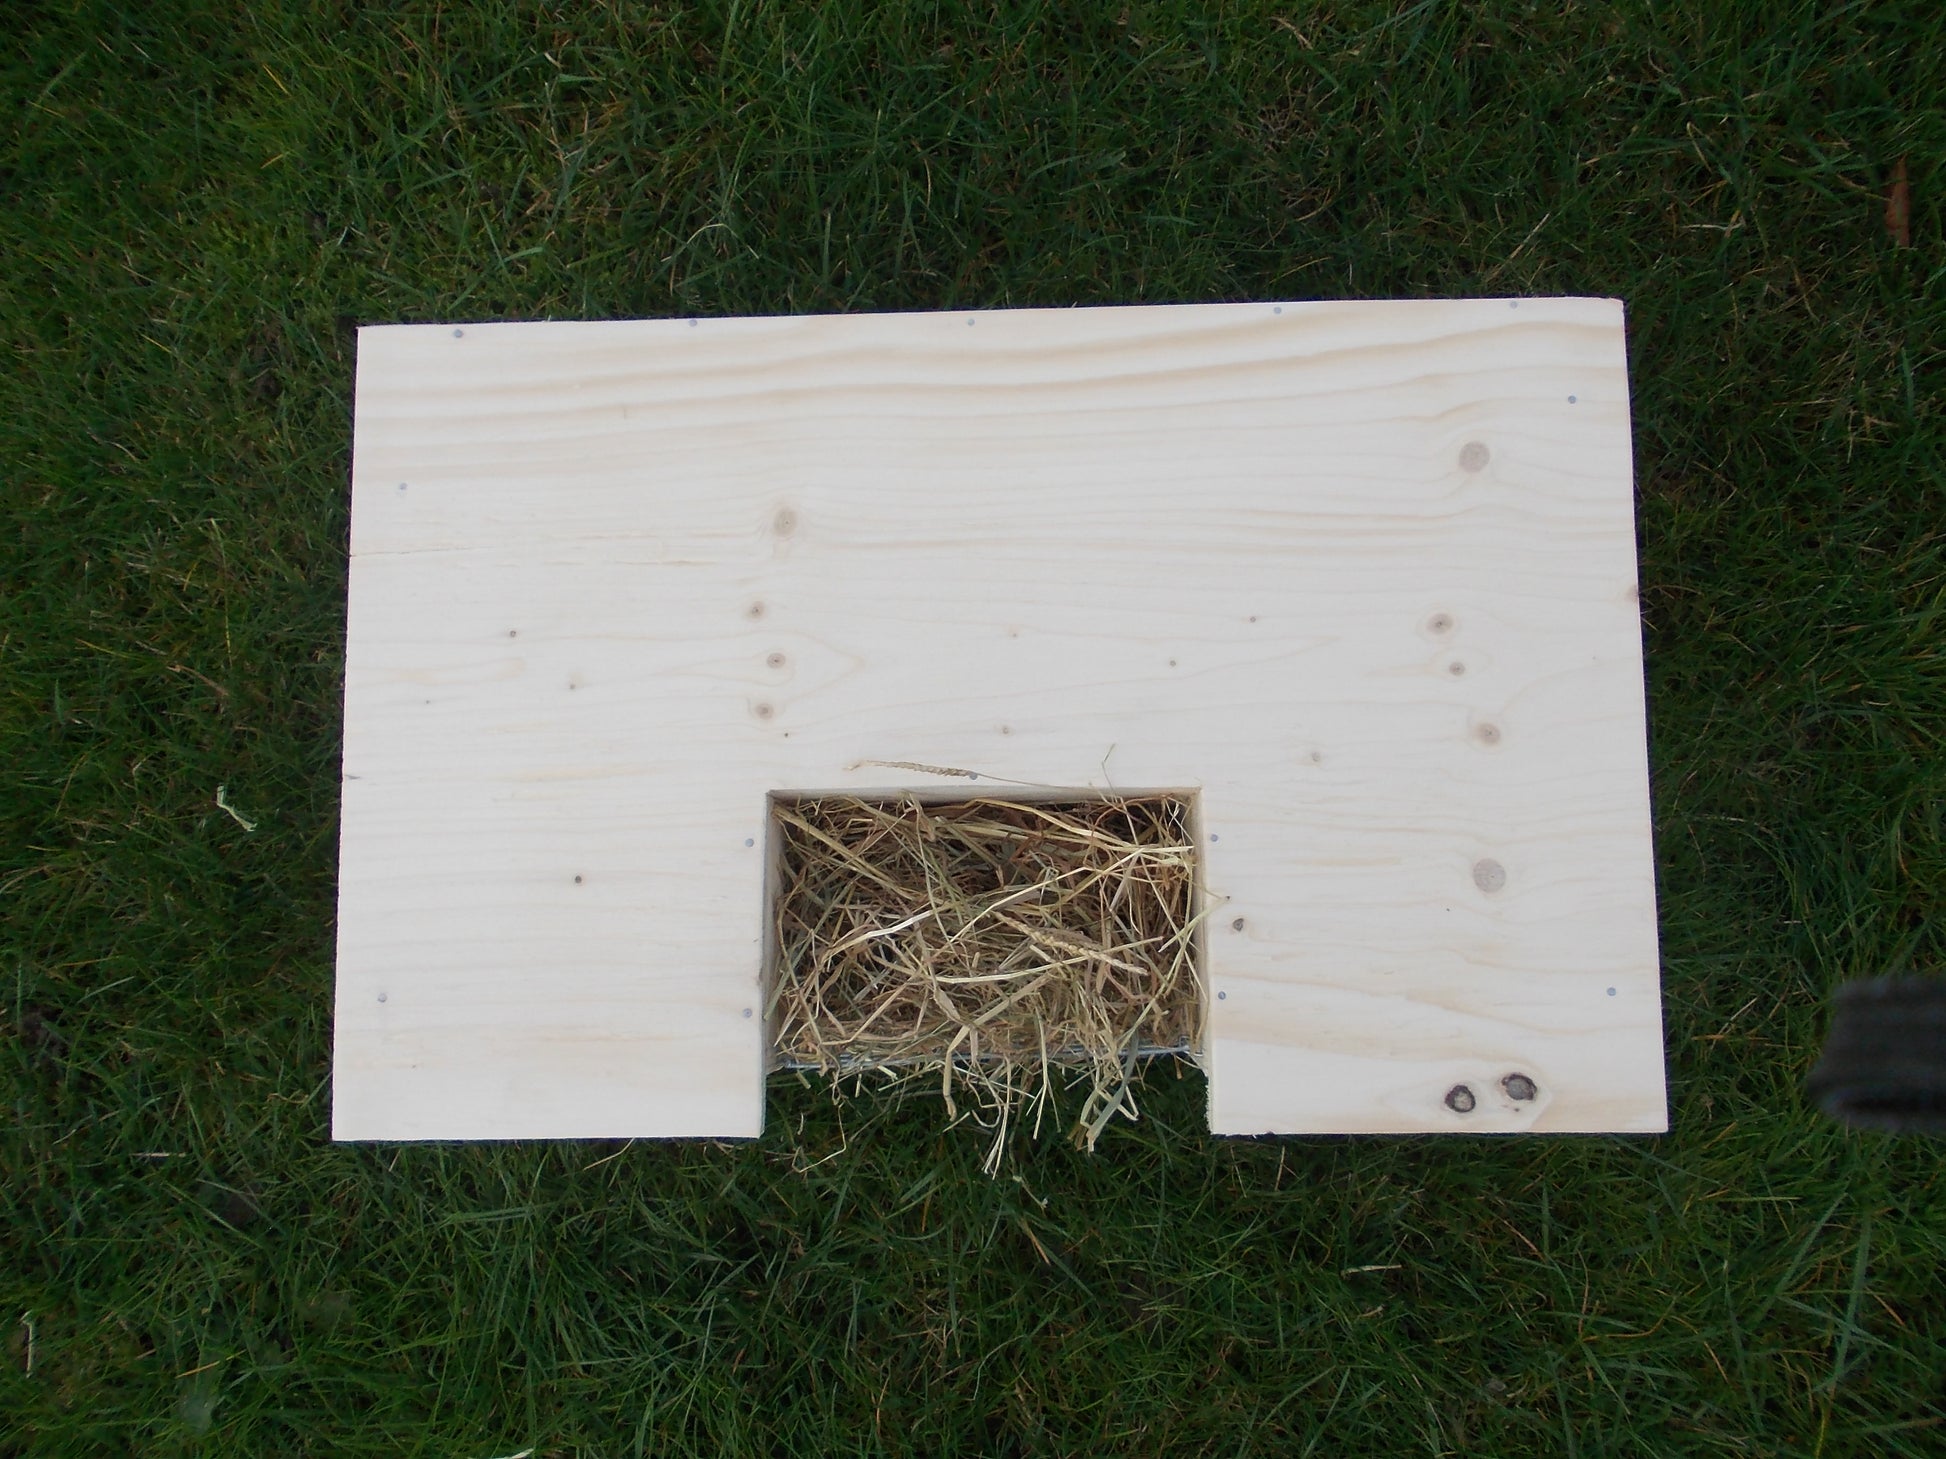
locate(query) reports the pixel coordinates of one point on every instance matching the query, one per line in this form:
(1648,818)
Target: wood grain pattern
(1361,573)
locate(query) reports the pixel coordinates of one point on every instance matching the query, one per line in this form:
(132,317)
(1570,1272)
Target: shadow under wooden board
(1359,578)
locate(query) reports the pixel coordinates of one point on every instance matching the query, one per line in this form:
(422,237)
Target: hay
(988,943)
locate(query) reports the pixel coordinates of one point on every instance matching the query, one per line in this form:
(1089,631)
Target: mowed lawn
(198,203)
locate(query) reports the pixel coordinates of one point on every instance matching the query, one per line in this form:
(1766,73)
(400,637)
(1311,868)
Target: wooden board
(1361,574)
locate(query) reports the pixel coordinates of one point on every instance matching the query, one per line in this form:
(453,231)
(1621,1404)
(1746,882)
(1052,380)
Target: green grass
(199,201)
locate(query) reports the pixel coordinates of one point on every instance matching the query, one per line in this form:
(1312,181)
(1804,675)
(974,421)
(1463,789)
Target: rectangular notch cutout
(995,934)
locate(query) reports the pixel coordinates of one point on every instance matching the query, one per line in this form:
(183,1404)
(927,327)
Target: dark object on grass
(1884,1064)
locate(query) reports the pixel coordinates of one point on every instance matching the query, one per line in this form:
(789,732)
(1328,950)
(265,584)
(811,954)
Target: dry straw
(988,943)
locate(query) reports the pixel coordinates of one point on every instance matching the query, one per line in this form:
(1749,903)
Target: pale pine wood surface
(642,574)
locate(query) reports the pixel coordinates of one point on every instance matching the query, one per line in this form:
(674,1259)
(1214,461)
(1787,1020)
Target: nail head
(1489,875)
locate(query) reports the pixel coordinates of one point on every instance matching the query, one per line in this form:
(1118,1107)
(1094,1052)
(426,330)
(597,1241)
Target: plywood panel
(1363,574)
